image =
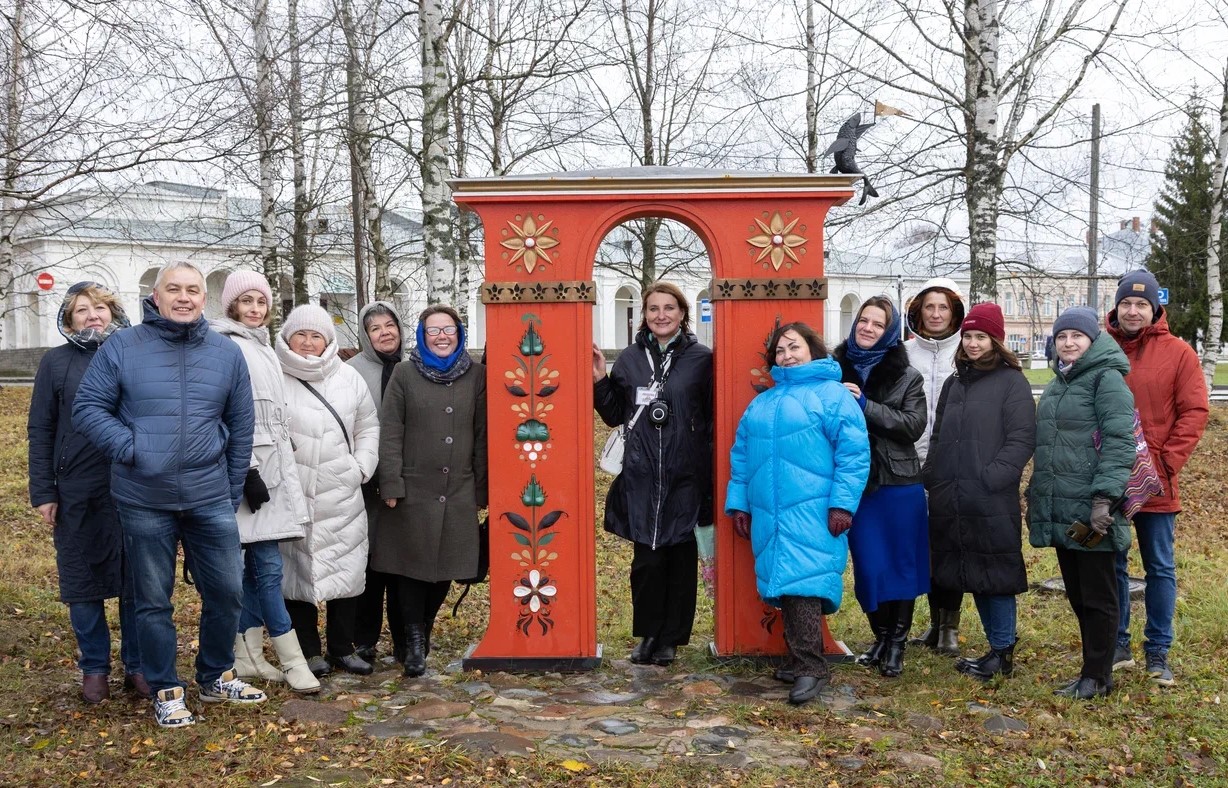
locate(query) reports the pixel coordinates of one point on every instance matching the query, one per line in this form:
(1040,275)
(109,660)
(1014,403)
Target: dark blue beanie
(1080,318)
(1139,284)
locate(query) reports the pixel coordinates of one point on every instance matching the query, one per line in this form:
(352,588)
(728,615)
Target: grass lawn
(1140,736)
(1042,375)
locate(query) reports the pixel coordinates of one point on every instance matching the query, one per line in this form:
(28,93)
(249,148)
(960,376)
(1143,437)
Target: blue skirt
(890,546)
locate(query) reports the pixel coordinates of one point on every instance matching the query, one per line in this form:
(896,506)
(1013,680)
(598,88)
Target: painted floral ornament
(530,243)
(777,241)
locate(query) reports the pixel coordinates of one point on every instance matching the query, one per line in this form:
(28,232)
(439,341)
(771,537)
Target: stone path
(623,713)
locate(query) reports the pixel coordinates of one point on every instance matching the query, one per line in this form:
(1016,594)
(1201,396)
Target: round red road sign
(45,281)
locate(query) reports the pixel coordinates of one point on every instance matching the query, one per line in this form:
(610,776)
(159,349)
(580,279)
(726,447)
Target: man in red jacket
(1170,393)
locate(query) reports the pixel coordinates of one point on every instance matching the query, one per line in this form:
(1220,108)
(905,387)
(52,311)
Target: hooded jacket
(283,515)
(1170,393)
(665,488)
(1067,471)
(801,449)
(331,562)
(171,405)
(367,362)
(933,358)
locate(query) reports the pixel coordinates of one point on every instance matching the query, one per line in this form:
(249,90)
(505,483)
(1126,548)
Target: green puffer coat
(1068,471)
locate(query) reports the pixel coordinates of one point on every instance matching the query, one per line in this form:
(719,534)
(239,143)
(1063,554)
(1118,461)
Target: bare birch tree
(1215,293)
(438,248)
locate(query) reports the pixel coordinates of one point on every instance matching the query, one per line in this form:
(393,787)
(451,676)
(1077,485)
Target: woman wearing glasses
(432,467)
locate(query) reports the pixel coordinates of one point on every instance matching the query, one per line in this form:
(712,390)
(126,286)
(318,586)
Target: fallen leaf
(572,765)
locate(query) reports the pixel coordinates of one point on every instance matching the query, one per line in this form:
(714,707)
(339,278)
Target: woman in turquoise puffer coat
(1073,482)
(799,465)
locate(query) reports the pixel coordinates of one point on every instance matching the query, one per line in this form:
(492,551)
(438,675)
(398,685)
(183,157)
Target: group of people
(908,456)
(289,478)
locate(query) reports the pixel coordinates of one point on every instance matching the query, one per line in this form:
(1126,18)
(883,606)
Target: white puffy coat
(331,562)
(283,516)
(933,358)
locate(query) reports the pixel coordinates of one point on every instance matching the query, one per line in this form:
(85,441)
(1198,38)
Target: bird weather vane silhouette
(845,146)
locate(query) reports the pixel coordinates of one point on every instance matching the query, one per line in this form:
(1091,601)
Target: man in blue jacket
(170,403)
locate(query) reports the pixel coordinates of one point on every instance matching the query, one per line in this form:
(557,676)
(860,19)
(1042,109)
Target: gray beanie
(309,317)
(1078,318)
(1139,284)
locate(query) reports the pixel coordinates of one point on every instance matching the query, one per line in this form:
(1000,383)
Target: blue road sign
(705,310)
(1163,295)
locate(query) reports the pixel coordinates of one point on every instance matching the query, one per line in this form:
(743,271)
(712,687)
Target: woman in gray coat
(432,475)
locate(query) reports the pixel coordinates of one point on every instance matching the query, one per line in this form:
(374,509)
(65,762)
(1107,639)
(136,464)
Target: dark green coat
(1068,471)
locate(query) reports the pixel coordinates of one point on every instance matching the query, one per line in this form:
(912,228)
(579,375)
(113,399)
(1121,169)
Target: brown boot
(136,683)
(94,688)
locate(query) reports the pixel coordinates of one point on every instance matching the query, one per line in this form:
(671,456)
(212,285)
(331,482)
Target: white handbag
(612,454)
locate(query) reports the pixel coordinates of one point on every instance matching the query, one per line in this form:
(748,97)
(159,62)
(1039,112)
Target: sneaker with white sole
(170,711)
(227,688)
(1122,658)
(1158,671)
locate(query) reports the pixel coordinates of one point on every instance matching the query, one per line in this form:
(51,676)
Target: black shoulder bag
(336,416)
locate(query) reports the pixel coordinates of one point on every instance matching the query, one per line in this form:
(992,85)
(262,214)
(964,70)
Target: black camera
(658,412)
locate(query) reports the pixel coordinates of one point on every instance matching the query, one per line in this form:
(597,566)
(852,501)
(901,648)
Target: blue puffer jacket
(801,448)
(171,405)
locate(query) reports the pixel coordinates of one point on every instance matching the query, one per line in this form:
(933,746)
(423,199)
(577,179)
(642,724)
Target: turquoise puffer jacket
(1068,471)
(801,448)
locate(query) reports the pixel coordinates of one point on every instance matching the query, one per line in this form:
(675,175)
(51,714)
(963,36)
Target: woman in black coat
(70,486)
(984,434)
(665,488)
(889,539)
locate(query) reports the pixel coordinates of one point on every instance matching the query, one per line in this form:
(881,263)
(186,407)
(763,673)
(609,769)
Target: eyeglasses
(434,331)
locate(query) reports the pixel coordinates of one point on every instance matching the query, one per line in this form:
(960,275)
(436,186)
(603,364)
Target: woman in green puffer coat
(1074,484)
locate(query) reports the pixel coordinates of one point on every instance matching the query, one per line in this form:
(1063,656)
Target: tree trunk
(439,253)
(353,79)
(1211,342)
(265,139)
(812,106)
(983,173)
(302,204)
(13,109)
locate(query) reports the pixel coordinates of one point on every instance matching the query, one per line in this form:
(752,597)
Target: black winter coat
(68,470)
(895,416)
(984,434)
(665,488)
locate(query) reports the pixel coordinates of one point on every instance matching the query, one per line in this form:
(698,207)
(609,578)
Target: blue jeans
(89,624)
(210,538)
(263,604)
(998,618)
(1155,545)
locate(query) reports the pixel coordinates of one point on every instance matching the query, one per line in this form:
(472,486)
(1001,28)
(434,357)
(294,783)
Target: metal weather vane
(845,146)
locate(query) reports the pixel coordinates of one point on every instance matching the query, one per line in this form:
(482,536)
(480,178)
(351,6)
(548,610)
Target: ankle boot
(294,664)
(996,662)
(892,664)
(415,650)
(948,633)
(929,638)
(254,639)
(243,667)
(874,655)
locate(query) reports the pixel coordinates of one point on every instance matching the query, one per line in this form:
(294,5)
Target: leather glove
(1101,519)
(254,490)
(838,521)
(741,524)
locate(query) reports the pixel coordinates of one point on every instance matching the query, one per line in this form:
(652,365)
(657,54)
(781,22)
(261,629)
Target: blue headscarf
(864,360)
(436,368)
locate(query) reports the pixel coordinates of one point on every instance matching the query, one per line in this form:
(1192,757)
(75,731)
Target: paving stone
(924,722)
(980,708)
(435,709)
(705,688)
(915,760)
(748,689)
(729,731)
(553,712)
(863,733)
(473,688)
(632,757)
(666,705)
(576,740)
(849,763)
(730,760)
(615,727)
(492,743)
(708,722)
(310,712)
(516,704)
(790,762)
(999,723)
(709,743)
(603,698)
(396,728)
(836,701)
(634,741)
(524,693)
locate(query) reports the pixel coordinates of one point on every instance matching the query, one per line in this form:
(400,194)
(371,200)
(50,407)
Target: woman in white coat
(336,446)
(273,508)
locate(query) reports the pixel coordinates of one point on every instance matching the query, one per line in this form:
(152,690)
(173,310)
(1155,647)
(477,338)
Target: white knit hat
(309,317)
(239,282)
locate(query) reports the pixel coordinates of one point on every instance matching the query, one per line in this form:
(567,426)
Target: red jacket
(1170,393)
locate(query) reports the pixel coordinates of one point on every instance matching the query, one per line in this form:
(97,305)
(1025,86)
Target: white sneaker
(170,711)
(227,688)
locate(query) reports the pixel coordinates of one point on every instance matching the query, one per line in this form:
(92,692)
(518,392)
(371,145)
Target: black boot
(415,650)
(929,638)
(948,633)
(874,655)
(998,662)
(892,664)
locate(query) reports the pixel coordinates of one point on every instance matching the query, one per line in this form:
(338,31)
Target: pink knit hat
(239,282)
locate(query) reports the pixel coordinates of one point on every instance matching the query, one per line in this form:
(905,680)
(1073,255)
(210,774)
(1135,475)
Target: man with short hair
(1170,393)
(170,402)
(934,316)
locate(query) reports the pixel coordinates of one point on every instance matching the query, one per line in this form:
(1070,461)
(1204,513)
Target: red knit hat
(985,317)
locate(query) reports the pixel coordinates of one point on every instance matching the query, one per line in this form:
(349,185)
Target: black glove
(1101,519)
(254,490)
(741,524)
(839,521)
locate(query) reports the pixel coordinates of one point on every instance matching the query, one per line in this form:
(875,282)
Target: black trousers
(420,600)
(339,616)
(370,615)
(663,589)
(1091,587)
(803,618)
(944,599)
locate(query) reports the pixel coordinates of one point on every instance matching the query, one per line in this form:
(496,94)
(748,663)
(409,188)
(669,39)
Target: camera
(658,412)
